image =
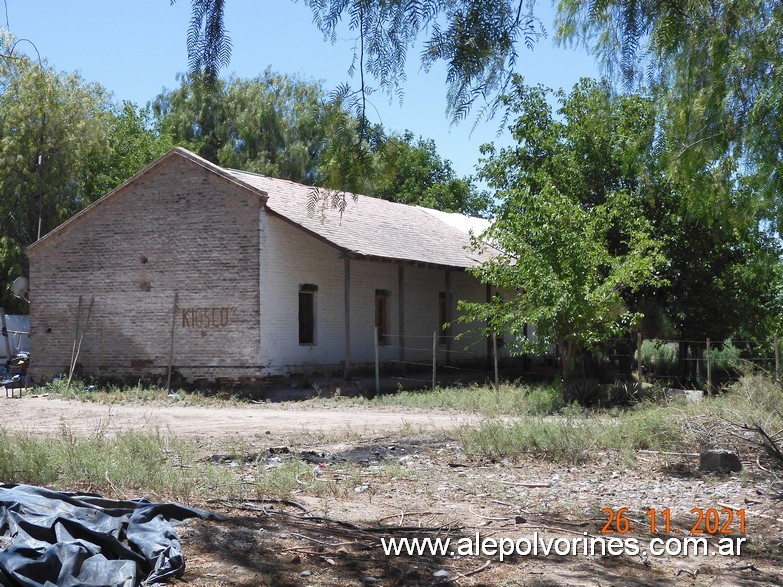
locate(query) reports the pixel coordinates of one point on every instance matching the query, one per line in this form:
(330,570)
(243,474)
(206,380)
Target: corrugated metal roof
(372,227)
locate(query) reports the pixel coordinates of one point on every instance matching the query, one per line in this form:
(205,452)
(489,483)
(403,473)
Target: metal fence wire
(428,359)
(708,362)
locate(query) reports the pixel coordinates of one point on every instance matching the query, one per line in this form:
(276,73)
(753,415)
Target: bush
(660,358)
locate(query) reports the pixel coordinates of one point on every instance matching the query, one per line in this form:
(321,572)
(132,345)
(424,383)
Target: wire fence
(706,362)
(430,359)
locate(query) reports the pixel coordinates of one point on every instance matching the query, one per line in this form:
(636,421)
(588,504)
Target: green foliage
(731,270)
(573,435)
(275,125)
(410,171)
(282,480)
(62,145)
(209,47)
(571,235)
(478,41)
(661,358)
(563,439)
(516,400)
(126,462)
(727,358)
(137,394)
(285,127)
(710,65)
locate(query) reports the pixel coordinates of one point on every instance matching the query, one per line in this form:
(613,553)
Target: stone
(693,395)
(719,461)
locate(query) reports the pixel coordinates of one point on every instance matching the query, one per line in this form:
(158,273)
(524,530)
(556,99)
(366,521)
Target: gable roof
(372,227)
(368,228)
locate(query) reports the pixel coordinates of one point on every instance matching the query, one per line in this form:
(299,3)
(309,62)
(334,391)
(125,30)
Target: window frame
(306,314)
(381,315)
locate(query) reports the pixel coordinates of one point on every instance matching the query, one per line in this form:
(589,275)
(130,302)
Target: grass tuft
(128,463)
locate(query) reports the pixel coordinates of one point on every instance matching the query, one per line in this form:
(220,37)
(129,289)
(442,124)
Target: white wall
(290,257)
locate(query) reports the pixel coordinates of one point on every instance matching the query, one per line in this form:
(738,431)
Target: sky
(136,49)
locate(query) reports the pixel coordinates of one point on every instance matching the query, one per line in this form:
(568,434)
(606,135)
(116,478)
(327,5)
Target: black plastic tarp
(54,538)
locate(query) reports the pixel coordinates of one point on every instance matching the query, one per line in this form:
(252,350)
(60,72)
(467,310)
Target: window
(307,313)
(382,315)
(443,318)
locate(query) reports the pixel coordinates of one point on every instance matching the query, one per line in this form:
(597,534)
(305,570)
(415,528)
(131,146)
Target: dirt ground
(383,473)
(43,414)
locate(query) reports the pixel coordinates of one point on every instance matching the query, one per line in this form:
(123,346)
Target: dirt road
(42,415)
(406,482)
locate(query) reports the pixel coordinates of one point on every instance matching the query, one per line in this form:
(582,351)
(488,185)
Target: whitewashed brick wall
(179,229)
(291,257)
(236,270)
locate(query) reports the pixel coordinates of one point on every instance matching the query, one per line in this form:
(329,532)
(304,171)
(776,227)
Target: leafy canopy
(286,127)
(572,239)
(63,144)
(713,68)
(478,40)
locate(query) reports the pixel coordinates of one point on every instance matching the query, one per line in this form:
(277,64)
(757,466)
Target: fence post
(639,356)
(171,341)
(5,335)
(709,369)
(434,356)
(377,366)
(495,358)
(777,359)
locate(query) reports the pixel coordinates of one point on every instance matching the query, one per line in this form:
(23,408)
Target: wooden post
(709,369)
(639,356)
(75,339)
(377,366)
(171,341)
(448,316)
(434,357)
(777,360)
(401,313)
(495,357)
(81,338)
(489,329)
(5,335)
(347,300)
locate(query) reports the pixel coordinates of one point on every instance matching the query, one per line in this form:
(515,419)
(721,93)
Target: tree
(285,127)
(477,39)
(573,241)
(274,124)
(712,66)
(134,141)
(411,172)
(58,136)
(601,165)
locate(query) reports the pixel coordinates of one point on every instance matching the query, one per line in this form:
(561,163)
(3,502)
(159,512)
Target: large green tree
(285,127)
(600,162)
(713,67)
(272,124)
(573,238)
(410,171)
(61,147)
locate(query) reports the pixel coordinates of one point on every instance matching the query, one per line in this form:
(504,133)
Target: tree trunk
(569,359)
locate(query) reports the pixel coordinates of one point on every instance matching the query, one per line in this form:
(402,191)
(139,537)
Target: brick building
(226,276)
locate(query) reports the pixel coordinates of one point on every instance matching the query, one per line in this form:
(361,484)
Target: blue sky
(136,48)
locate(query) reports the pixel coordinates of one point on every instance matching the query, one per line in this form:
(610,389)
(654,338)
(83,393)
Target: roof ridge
(375,198)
